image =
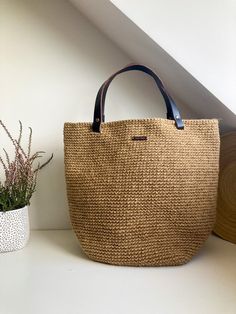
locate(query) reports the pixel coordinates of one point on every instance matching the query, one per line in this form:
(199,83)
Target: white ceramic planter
(14,229)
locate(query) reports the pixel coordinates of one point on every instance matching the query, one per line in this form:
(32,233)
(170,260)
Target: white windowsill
(52,276)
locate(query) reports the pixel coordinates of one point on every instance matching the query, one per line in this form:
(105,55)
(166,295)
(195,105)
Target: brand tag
(139,138)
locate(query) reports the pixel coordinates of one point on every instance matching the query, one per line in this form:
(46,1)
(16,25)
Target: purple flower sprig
(20,173)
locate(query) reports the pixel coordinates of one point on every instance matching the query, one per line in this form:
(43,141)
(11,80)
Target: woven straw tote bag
(142,192)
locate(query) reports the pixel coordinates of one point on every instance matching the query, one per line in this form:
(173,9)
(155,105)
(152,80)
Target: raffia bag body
(142,192)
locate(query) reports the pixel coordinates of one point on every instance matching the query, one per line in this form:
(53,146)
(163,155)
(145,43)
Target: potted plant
(16,190)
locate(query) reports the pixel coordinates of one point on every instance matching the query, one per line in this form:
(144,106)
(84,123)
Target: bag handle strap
(172,110)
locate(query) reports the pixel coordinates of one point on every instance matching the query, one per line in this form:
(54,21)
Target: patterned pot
(14,229)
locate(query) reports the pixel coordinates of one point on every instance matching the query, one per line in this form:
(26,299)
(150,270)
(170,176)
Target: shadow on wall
(49,203)
(93,58)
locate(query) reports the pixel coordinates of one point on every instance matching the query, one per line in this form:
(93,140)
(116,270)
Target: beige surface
(52,276)
(226,207)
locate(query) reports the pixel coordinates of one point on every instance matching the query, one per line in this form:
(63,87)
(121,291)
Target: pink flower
(20,174)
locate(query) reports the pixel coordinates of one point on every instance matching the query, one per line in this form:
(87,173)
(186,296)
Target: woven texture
(142,203)
(225,225)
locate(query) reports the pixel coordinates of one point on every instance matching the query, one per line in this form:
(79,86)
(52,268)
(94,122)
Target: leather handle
(172,110)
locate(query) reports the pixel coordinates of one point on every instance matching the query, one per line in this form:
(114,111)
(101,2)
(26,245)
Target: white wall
(52,62)
(200,35)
